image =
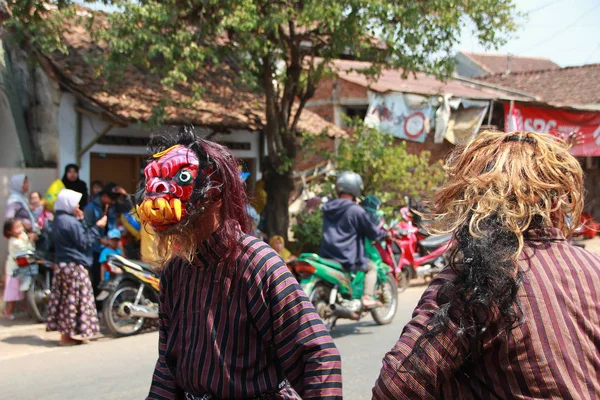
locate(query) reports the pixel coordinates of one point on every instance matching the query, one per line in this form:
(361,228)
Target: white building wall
(91,127)
(67,132)
(11,153)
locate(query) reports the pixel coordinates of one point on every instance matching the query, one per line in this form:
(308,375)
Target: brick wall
(324,90)
(438,150)
(351,90)
(305,162)
(325,111)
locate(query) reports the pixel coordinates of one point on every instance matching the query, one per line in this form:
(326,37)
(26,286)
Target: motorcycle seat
(424,232)
(319,259)
(433,242)
(146,266)
(135,264)
(332,263)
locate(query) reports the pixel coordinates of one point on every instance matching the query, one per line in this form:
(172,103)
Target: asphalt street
(32,367)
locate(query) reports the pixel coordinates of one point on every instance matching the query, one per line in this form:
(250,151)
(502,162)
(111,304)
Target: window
(356,112)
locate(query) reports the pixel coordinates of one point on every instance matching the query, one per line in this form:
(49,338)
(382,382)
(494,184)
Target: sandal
(11,317)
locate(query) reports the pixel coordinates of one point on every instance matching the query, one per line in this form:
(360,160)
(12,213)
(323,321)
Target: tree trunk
(281,145)
(278,187)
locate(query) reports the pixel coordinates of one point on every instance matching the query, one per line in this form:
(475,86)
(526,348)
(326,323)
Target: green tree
(387,168)
(282,48)
(388,171)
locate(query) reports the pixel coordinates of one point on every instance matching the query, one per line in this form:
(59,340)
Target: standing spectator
(114,247)
(95,188)
(112,200)
(71,181)
(71,309)
(17,205)
(38,210)
(18,241)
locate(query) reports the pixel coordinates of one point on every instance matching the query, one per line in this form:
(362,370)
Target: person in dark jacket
(71,181)
(71,309)
(111,201)
(346,225)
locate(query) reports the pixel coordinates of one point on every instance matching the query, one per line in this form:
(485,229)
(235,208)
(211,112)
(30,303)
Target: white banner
(406,116)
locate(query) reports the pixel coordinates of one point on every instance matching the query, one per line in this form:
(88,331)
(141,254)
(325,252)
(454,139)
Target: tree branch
(293,74)
(274,142)
(309,92)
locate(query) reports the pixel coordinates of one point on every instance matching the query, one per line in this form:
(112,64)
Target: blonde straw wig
(516,177)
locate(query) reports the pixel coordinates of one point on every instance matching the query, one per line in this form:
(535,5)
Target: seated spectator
(278,244)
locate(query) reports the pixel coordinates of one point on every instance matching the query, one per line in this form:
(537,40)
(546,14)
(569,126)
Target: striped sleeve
(285,317)
(163,384)
(420,375)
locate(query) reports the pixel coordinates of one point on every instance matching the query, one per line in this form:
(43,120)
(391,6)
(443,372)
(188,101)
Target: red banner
(558,122)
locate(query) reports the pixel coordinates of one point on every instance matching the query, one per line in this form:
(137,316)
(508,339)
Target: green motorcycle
(336,293)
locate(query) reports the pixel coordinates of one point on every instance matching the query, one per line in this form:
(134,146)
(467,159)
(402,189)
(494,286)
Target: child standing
(18,241)
(114,247)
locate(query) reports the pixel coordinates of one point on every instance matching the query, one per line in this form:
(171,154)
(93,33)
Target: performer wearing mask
(234,323)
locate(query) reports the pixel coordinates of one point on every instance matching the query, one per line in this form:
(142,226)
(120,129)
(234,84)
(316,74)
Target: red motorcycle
(588,228)
(413,253)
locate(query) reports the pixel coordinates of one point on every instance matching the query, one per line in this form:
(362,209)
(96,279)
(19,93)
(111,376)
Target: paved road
(32,367)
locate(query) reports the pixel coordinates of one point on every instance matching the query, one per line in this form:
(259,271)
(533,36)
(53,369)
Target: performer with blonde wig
(516,312)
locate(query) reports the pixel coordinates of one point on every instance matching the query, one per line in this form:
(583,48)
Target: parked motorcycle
(36,278)
(130,297)
(336,293)
(412,251)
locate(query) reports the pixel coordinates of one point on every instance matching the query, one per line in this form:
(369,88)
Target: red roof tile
(225,102)
(503,63)
(570,86)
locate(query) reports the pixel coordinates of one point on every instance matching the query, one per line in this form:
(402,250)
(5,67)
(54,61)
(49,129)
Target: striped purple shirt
(554,354)
(241,336)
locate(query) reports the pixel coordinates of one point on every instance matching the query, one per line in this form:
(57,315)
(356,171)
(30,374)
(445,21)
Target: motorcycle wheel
(319,297)
(403,280)
(117,322)
(37,298)
(387,293)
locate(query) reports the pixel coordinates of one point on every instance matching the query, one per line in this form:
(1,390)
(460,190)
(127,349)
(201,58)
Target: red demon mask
(170,182)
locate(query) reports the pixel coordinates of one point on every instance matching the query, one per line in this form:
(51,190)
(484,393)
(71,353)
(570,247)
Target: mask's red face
(170,181)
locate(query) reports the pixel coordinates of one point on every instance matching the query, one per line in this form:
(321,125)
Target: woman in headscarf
(71,181)
(17,205)
(72,310)
(278,244)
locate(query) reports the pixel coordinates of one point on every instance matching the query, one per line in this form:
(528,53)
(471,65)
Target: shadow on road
(355,328)
(30,340)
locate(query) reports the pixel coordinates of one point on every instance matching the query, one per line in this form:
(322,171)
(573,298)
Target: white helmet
(350,183)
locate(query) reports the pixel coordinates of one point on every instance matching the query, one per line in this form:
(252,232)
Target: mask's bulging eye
(184,177)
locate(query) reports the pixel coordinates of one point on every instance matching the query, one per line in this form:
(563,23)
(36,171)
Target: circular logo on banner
(414,125)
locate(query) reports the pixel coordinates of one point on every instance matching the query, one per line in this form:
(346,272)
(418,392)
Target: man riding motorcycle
(345,227)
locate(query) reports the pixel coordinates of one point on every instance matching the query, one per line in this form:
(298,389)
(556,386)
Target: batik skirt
(71,308)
